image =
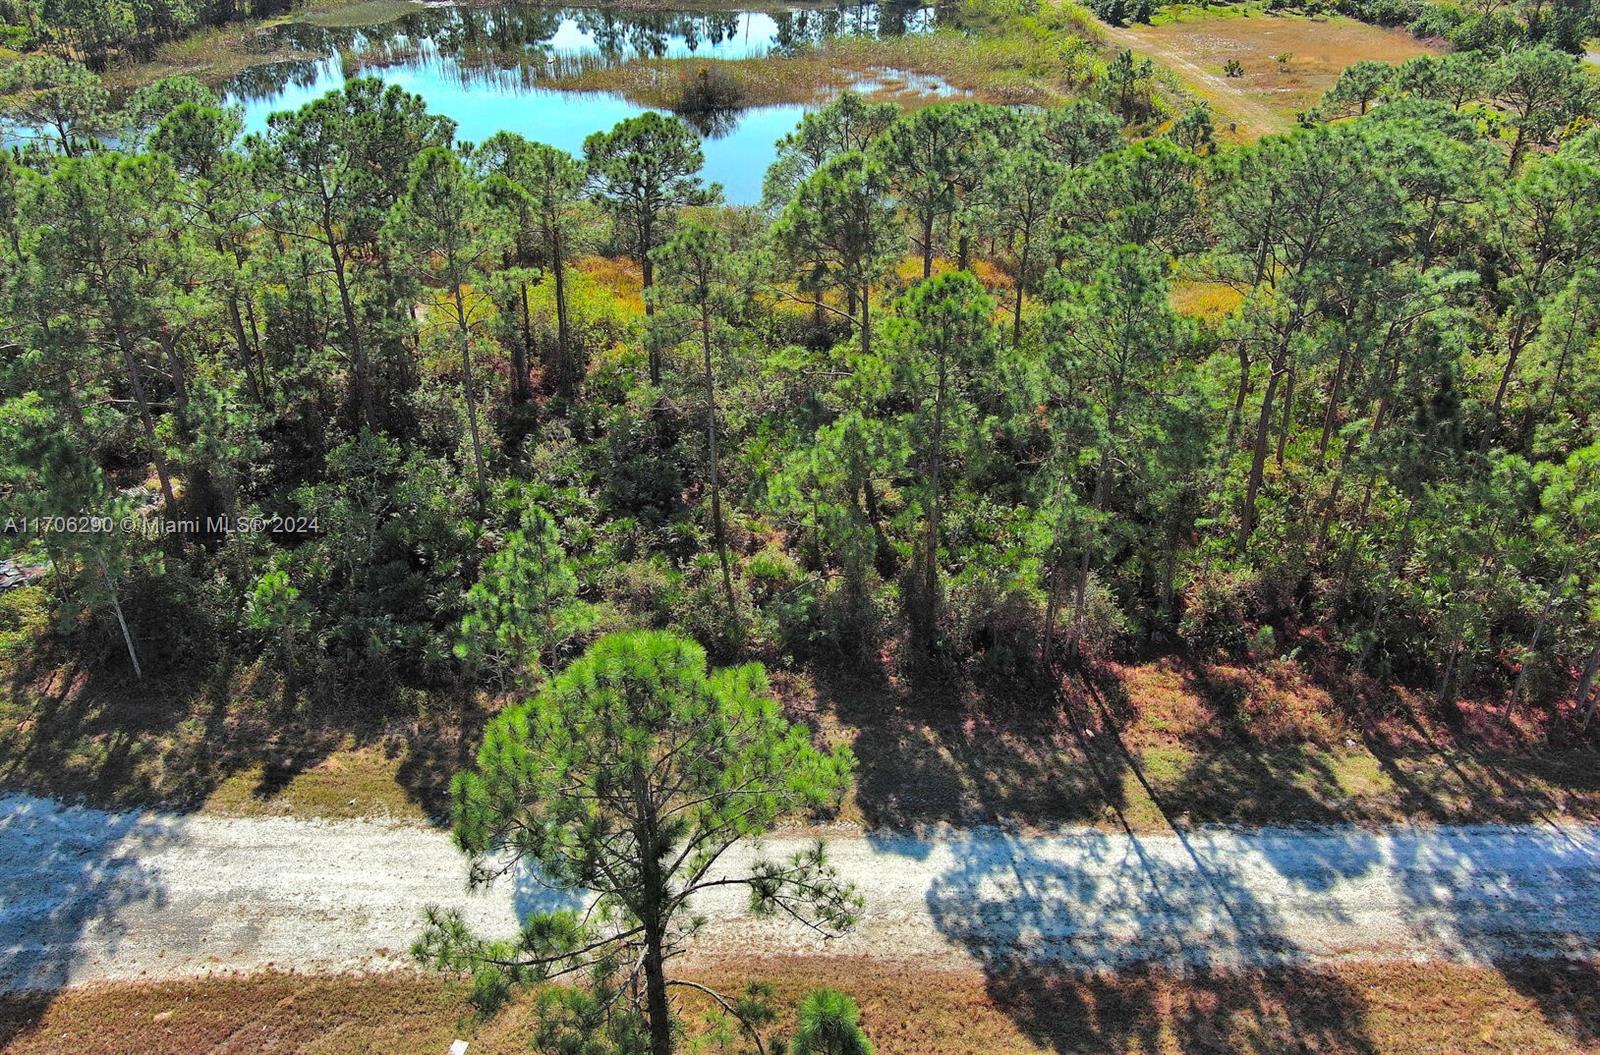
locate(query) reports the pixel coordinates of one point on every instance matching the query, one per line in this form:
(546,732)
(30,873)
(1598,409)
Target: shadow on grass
(931,750)
(75,725)
(1280,1010)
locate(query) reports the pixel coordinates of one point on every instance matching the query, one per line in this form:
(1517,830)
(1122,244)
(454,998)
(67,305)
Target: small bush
(1216,608)
(830,1024)
(707,88)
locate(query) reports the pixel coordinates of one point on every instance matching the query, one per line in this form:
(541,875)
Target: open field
(1519,1008)
(1313,52)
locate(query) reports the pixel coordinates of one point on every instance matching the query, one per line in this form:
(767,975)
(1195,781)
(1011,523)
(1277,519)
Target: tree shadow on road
(67,876)
(1080,948)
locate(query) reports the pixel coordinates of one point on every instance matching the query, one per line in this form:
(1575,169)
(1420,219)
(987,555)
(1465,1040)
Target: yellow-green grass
(1519,1008)
(1204,300)
(1185,12)
(352,781)
(75,724)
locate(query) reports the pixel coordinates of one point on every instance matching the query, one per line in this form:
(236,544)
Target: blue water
(736,158)
(474,65)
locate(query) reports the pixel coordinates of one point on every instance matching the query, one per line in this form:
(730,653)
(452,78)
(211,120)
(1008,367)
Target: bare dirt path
(87,895)
(1233,102)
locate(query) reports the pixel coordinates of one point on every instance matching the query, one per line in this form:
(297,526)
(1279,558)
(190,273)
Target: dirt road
(1233,102)
(86,895)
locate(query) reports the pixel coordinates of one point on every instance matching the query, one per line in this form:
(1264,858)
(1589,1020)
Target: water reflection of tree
(514,46)
(256,83)
(514,28)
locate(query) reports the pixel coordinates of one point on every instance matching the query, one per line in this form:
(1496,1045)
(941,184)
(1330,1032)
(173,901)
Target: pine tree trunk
(464,332)
(360,383)
(146,420)
(1585,683)
(520,350)
(717,529)
(1288,415)
(866,320)
(1022,277)
(1533,643)
(1258,459)
(116,606)
(935,483)
(568,380)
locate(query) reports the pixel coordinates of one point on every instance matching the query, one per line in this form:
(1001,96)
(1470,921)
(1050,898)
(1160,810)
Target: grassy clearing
(354,780)
(1288,60)
(1207,301)
(1372,1009)
(1195,12)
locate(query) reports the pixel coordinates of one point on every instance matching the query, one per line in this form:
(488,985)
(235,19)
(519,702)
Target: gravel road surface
(88,895)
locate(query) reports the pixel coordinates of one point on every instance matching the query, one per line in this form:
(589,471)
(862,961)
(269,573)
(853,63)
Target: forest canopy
(979,387)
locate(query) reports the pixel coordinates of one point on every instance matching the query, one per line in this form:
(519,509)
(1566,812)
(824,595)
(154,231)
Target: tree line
(977,387)
(101,32)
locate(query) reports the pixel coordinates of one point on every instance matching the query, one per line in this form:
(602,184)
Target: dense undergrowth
(982,398)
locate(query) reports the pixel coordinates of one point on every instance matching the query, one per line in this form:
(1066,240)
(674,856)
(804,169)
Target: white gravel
(87,895)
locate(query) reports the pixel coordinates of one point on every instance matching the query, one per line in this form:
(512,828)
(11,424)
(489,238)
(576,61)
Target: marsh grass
(340,14)
(217,53)
(213,55)
(1024,65)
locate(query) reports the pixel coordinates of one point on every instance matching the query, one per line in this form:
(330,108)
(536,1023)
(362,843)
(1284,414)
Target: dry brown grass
(1317,50)
(1524,1008)
(1142,744)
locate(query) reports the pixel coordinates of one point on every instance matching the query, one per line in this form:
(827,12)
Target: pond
(480,67)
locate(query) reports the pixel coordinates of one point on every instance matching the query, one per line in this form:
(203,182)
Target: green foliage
(838,233)
(847,123)
(1169,387)
(523,610)
(56,101)
(1128,87)
(628,777)
(830,1024)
